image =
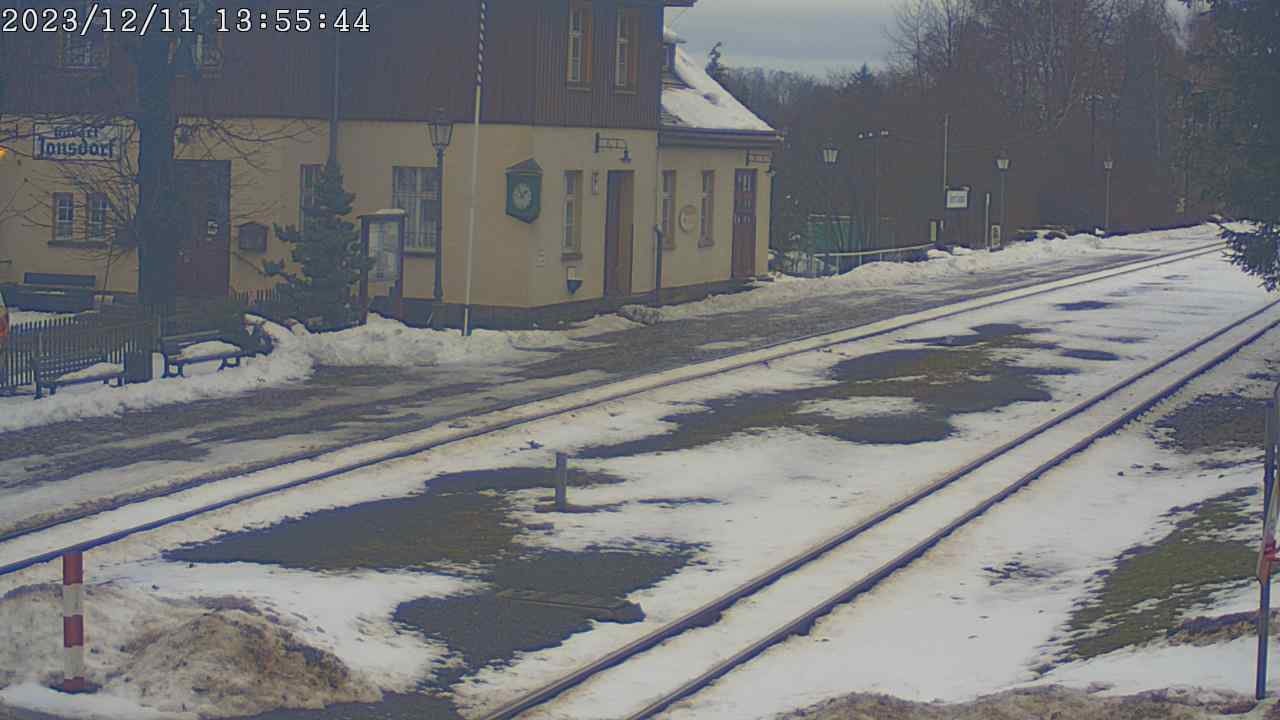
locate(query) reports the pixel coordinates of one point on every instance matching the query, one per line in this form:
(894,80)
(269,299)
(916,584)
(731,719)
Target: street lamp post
(831,156)
(1108,165)
(441,129)
(1002,164)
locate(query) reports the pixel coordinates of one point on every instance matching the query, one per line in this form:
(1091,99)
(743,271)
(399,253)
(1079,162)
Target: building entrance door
(619,233)
(744,224)
(204,227)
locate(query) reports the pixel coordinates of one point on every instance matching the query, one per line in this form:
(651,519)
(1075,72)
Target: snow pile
(390,343)
(704,104)
(174,657)
(287,363)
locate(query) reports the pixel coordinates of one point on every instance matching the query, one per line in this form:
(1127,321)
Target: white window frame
(622,61)
(308,188)
(571,241)
(669,181)
(90,48)
(706,224)
(416,190)
(577,46)
(64,217)
(96,227)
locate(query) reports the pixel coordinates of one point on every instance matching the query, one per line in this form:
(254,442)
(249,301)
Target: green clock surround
(524,191)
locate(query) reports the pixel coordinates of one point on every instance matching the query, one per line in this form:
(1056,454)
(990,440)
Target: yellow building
(610,168)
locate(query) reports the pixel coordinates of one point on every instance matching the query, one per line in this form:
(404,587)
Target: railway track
(43,543)
(862,556)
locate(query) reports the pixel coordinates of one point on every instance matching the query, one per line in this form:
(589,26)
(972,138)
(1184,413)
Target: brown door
(744,224)
(619,233)
(204,216)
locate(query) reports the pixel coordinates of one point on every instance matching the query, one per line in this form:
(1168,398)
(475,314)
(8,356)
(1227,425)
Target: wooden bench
(61,369)
(174,348)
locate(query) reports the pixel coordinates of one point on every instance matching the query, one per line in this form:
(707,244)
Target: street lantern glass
(830,154)
(441,129)
(1108,164)
(1002,161)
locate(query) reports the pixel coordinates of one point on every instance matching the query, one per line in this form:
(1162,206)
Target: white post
(475,168)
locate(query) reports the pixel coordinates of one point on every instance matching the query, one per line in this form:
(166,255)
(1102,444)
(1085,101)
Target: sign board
(958,198)
(70,142)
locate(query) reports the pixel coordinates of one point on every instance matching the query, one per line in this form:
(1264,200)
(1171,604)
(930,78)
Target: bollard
(562,482)
(73,623)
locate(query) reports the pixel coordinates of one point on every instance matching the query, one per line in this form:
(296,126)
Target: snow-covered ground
(382,342)
(941,267)
(769,493)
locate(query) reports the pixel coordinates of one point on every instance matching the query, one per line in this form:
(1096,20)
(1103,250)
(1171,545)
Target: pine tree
(1240,100)
(326,250)
(715,68)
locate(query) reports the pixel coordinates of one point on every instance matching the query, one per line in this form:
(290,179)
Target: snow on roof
(671,36)
(703,103)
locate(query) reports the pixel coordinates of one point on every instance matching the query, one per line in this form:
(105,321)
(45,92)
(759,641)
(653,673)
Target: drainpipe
(657,178)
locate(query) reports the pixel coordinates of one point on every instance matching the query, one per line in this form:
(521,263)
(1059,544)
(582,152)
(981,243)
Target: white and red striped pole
(73,623)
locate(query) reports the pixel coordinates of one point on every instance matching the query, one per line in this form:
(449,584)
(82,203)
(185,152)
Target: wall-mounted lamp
(608,143)
(595,182)
(571,279)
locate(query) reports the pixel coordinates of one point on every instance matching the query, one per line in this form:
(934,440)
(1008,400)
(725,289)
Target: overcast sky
(807,35)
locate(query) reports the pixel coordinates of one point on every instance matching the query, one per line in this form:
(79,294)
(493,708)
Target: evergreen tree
(715,68)
(327,251)
(1240,102)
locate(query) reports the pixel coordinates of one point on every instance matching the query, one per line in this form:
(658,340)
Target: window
(87,51)
(309,185)
(579,42)
(706,230)
(64,217)
(669,210)
(572,212)
(625,66)
(416,190)
(669,58)
(99,209)
(205,43)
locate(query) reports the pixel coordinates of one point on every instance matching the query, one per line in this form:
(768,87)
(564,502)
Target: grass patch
(1152,586)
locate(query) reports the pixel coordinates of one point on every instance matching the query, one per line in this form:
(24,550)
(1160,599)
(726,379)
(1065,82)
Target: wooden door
(619,233)
(204,229)
(744,224)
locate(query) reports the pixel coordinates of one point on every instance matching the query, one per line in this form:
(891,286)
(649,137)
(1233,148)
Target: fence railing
(833,263)
(57,341)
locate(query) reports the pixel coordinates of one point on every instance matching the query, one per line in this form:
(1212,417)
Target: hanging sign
(71,142)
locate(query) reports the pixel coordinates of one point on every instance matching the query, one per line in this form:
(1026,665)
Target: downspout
(657,177)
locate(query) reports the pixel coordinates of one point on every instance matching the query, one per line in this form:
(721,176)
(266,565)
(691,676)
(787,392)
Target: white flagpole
(475,166)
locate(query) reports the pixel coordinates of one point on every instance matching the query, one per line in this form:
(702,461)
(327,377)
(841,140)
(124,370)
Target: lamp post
(1002,164)
(831,156)
(1108,165)
(441,130)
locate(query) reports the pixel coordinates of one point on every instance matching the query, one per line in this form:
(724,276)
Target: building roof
(697,102)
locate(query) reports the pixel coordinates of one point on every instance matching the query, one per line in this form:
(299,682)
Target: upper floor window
(669,58)
(579,71)
(204,44)
(628,37)
(416,190)
(86,51)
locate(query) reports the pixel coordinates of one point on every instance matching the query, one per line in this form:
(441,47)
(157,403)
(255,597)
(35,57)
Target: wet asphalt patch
(1082,354)
(1084,305)
(1216,422)
(952,375)
(456,520)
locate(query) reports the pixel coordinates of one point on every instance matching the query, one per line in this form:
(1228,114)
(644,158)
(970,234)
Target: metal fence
(833,263)
(59,341)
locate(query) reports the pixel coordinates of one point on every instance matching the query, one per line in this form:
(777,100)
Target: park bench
(182,350)
(73,368)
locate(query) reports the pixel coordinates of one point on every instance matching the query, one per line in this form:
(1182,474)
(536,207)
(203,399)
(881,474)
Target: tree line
(1058,87)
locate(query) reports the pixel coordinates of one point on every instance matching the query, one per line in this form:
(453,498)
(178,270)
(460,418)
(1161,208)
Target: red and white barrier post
(73,623)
